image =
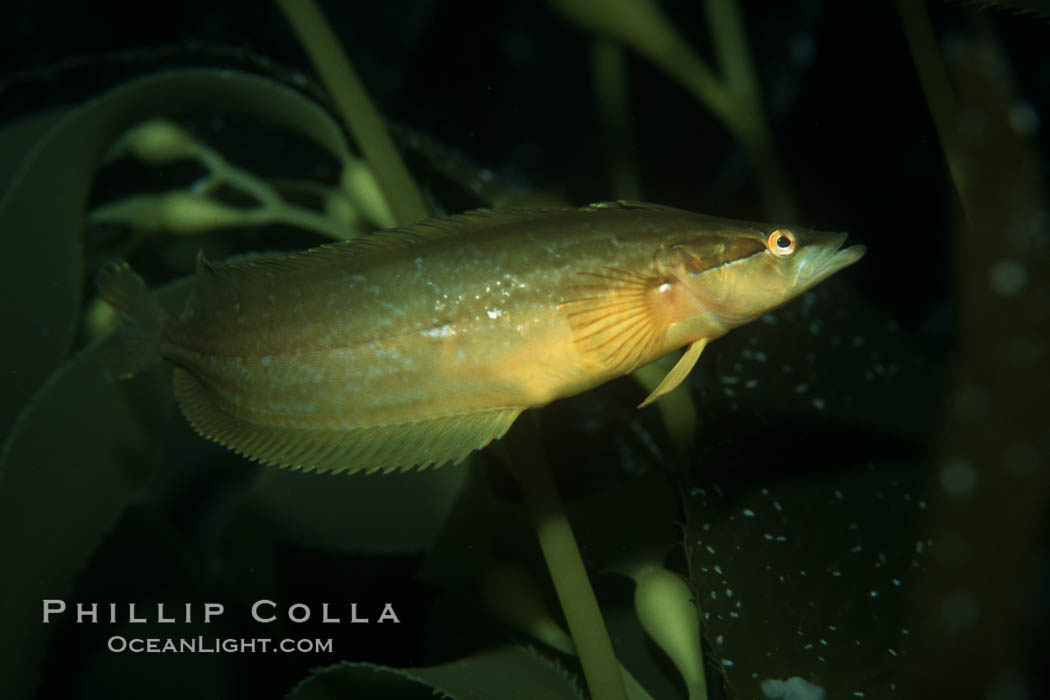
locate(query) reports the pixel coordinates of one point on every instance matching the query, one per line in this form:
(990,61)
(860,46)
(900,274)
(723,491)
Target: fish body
(416,346)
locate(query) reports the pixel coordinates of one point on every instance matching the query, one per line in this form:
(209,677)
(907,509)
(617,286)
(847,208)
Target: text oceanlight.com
(211,645)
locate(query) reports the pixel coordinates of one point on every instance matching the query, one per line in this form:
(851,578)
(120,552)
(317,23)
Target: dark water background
(844,406)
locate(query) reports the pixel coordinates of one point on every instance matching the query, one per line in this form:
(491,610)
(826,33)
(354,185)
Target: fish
(415,346)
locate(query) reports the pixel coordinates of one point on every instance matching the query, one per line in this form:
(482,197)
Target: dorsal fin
(216,283)
(628,204)
(387,239)
(407,236)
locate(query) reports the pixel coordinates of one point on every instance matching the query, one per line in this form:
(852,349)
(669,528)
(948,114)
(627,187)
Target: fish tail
(138,339)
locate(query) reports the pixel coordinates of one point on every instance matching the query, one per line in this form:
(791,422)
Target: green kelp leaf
(68,470)
(503,673)
(811,578)
(64,481)
(40,220)
(19,137)
(41,215)
(359,513)
(805,523)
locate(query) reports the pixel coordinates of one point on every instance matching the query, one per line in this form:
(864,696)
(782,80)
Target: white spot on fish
(445,331)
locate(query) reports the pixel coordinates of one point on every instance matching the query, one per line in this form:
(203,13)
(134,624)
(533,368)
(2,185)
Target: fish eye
(781,242)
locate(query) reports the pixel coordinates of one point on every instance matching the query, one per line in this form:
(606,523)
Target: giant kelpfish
(415,346)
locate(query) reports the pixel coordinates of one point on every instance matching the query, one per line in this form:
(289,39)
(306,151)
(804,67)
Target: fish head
(743,272)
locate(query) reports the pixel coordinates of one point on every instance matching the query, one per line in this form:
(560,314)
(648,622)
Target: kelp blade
(505,673)
(42,213)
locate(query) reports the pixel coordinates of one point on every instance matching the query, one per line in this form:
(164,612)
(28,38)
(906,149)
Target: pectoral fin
(613,318)
(679,372)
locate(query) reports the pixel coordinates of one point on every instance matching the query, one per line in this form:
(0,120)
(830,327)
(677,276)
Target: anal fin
(384,447)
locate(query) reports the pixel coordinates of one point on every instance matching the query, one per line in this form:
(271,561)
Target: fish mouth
(827,258)
(847,257)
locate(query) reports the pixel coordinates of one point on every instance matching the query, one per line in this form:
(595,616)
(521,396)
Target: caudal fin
(138,343)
